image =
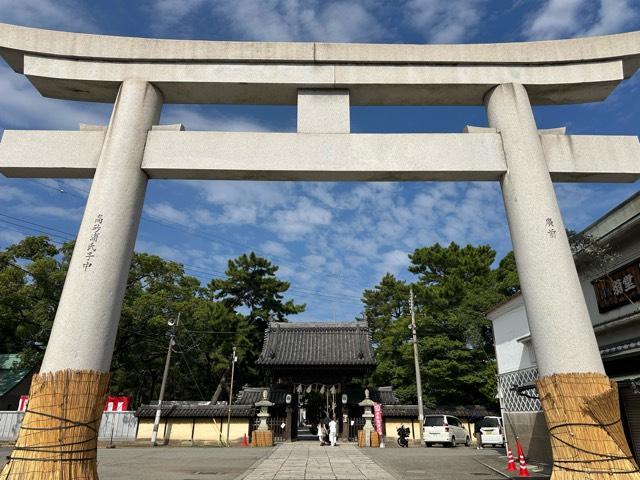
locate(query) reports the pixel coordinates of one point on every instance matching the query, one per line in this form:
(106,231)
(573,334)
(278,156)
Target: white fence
(10,425)
(119,426)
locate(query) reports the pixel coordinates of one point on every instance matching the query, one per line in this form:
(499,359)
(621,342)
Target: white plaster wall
(509,324)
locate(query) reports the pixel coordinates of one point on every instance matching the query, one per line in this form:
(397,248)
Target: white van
(444,429)
(492,431)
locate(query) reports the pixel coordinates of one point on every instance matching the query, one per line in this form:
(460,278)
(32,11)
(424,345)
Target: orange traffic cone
(244,441)
(511,463)
(523,465)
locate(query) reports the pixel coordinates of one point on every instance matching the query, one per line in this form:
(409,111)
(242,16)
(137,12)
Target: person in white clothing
(321,433)
(333,432)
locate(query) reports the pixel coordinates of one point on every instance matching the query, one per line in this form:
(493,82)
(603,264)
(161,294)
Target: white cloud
(303,219)
(8,193)
(577,18)
(23,107)
(40,210)
(214,120)
(614,16)
(273,20)
(449,21)
(167,213)
(173,11)
(393,262)
(9,237)
(290,20)
(314,261)
(276,249)
(165,251)
(267,194)
(241,203)
(203,216)
(578,207)
(55,14)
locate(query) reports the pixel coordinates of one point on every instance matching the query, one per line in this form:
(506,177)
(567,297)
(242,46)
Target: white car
(444,429)
(492,431)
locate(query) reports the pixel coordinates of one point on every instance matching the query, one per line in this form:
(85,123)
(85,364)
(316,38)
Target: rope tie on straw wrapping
(604,457)
(69,453)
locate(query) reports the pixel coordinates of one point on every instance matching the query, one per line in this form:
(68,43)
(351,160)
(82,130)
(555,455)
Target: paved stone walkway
(309,461)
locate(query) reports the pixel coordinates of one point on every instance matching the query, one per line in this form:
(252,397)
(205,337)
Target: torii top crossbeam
(91,67)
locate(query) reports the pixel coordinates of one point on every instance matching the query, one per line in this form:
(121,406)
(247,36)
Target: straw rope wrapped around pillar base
(59,434)
(587,436)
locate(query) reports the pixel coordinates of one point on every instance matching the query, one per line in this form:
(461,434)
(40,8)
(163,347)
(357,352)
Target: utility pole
(172,341)
(234,359)
(417,362)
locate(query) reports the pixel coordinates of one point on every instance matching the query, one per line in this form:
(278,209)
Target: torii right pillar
(580,403)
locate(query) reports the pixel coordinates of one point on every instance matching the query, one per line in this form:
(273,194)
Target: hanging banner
(377,417)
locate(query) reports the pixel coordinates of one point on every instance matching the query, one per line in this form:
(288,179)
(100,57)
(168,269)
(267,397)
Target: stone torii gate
(324,80)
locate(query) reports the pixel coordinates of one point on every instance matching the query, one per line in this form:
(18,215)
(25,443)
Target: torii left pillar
(58,437)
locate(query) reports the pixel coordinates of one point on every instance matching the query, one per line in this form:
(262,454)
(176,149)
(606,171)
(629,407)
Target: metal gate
(275,425)
(355,425)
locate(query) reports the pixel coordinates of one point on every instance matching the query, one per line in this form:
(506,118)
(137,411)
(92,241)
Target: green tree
(455,287)
(253,291)
(384,304)
(32,274)
(157,291)
(252,284)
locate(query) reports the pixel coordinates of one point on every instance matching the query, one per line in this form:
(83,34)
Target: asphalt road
(440,463)
(172,463)
(201,463)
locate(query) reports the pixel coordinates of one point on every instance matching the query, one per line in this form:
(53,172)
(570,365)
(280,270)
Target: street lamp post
(234,359)
(417,366)
(172,341)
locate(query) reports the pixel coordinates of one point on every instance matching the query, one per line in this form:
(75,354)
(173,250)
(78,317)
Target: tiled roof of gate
(317,344)
(250,395)
(186,410)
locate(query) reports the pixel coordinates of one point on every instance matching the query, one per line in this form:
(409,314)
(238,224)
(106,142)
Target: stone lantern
(264,405)
(263,437)
(367,403)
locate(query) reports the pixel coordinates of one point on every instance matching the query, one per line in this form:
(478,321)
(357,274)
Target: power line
(213,273)
(195,381)
(305,293)
(35,230)
(299,291)
(209,236)
(37,224)
(29,233)
(217,274)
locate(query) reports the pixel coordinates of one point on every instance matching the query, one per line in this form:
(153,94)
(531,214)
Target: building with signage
(608,263)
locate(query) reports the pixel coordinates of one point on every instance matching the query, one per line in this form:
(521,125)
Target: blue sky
(331,240)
